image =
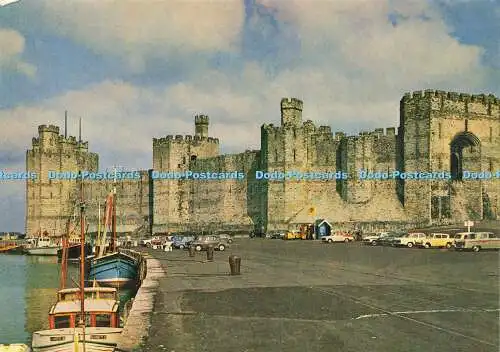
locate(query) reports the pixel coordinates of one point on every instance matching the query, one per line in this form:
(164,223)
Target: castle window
(193,157)
(229,189)
(50,195)
(439,130)
(491,165)
(440,163)
(276,155)
(184,160)
(491,134)
(294,155)
(466,124)
(294,134)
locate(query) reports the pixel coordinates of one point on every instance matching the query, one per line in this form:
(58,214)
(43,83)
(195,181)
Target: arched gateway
(465,154)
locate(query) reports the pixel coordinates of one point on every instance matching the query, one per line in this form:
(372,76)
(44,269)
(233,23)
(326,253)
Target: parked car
(385,239)
(460,236)
(181,242)
(438,240)
(338,237)
(201,243)
(277,235)
(370,237)
(226,237)
(410,240)
(478,241)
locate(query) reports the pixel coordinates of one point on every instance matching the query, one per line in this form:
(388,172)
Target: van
(477,241)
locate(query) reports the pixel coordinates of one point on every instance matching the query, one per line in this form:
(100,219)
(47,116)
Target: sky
(138,69)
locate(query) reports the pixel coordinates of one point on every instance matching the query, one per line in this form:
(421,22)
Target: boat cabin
(101,308)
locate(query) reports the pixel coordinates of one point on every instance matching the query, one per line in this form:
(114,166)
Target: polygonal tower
(201,125)
(291,111)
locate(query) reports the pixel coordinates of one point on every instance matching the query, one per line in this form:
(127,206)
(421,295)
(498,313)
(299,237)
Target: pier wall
(138,320)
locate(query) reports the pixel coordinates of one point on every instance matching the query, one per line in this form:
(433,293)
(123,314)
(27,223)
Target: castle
(438,131)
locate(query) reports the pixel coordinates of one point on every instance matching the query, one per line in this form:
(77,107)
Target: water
(28,288)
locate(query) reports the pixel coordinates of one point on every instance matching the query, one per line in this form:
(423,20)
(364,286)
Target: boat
(42,246)
(102,329)
(84,319)
(14,347)
(11,248)
(109,266)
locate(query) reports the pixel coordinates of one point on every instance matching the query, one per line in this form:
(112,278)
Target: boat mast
(113,247)
(82,262)
(64,257)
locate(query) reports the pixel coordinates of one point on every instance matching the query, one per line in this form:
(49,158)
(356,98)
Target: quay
(300,296)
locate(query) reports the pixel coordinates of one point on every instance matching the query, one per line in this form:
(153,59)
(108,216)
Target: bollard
(191,251)
(210,253)
(234,264)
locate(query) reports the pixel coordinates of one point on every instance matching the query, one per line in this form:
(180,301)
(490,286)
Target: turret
(291,111)
(201,126)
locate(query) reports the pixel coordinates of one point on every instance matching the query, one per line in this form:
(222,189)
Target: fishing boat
(84,319)
(111,267)
(42,246)
(102,322)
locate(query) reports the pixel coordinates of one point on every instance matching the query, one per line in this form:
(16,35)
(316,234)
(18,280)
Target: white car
(410,240)
(338,237)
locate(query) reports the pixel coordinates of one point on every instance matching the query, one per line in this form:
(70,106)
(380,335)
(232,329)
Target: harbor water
(28,288)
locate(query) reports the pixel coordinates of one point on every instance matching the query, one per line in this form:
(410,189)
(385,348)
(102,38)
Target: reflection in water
(36,279)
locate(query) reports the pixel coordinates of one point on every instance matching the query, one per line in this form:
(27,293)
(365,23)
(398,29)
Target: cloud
(143,29)
(12,45)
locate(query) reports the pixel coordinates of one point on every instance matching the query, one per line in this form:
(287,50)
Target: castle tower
(201,126)
(49,198)
(453,133)
(174,155)
(291,112)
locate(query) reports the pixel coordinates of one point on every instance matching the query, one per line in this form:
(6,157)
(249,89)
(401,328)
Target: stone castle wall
(436,131)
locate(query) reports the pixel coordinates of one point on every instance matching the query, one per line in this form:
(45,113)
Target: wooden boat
(42,246)
(112,268)
(83,319)
(102,321)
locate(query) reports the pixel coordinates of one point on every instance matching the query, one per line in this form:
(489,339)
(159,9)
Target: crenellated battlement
(48,128)
(339,136)
(69,140)
(292,103)
(35,142)
(379,132)
(325,130)
(454,96)
(182,139)
(201,120)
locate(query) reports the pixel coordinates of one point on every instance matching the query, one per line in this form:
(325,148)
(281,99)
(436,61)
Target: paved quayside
(308,296)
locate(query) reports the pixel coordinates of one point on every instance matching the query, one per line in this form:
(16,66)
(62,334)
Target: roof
(323,221)
(92,305)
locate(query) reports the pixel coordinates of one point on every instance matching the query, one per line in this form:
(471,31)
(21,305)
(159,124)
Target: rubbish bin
(210,253)
(234,264)
(191,251)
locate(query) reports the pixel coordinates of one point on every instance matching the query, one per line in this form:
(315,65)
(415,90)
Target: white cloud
(141,29)
(11,48)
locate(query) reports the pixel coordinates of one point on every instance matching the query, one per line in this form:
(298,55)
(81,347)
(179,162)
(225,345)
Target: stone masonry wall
(433,124)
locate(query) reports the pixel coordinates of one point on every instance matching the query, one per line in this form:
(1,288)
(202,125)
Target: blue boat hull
(115,270)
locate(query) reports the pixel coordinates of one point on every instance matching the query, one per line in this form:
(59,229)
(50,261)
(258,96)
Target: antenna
(80,131)
(66,124)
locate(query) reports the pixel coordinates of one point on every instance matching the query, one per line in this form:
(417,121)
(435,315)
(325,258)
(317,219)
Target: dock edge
(138,322)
